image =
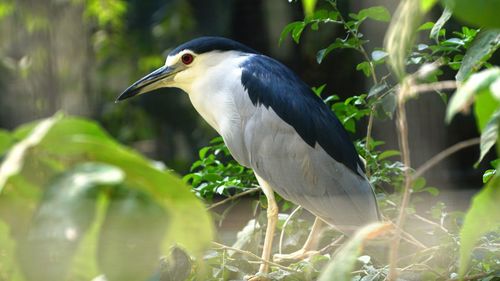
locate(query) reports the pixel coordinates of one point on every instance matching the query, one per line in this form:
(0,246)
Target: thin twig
(250,254)
(246,192)
(282,235)
(443,154)
(432,223)
(331,245)
(402,126)
(431,87)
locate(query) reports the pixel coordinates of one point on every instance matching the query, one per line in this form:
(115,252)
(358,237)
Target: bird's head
(185,64)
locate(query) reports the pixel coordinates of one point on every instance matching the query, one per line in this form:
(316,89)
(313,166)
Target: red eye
(187,58)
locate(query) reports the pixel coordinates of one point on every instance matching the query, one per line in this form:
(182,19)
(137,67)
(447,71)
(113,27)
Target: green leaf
(435,31)
(15,158)
(309,6)
(289,29)
(297,31)
(426,5)
(341,266)
(377,89)
(464,95)
(483,216)
(74,140)
(483,46)
(484,107)
(365,67)
(401,35)
(388,153)
(378,55)
(488,174)
(63,216)
(489,135)
(131,236)
(480,13)
(6,141)
(378,13)
(338,44)
(426,26)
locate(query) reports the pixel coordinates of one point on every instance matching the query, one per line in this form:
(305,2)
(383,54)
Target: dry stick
(251,190)
(402,126)
(250,254)
(282,235)
(443,154)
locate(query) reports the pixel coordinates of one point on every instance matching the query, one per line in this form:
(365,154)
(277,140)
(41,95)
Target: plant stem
(443,154)
(402,127)
(249,191)
(250,254)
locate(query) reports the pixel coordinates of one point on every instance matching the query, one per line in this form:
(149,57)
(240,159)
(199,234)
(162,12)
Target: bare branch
(246,192)
(250,254)
(443,154)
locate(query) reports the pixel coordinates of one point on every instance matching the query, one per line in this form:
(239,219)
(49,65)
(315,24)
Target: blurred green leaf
(341,266)
(74,140)
(483,46)
(378,13)
(63,216)
(309,6)
(387,154)
(131,236)
(484,106)
(464,95)
(401,35)
(483,216)
(489,135)
(445,16)
(426,5)
(15,158)
(480,13)
(6,141)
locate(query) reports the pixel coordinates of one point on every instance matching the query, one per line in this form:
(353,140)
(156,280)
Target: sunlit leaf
(445,16)
(15,158)
(483,46)
(483,216)
(463,97)
(426,5)
(378,13)
(342,264)
(6,141)
(288,29)
(309,6)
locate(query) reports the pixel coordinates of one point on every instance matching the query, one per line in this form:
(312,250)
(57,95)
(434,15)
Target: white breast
(219,97)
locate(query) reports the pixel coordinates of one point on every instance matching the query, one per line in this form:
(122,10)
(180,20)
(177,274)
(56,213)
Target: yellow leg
(272,219)
(309,248)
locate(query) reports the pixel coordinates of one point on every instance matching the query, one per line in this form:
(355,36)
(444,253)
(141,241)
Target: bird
(272,122)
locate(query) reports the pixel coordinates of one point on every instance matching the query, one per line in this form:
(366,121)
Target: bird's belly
(308,176)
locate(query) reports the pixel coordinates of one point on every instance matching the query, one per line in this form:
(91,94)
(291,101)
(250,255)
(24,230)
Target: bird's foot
(298,255)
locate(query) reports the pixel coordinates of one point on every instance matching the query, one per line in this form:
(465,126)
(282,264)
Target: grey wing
(307,175)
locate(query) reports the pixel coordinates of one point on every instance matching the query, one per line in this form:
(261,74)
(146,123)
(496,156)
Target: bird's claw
(298,255)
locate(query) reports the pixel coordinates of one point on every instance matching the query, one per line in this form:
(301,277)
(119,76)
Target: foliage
(463,52)
(94,206)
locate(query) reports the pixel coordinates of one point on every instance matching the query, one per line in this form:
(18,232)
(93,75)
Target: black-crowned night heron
(272,122)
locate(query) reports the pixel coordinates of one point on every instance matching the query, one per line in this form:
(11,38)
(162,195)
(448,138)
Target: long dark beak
(148,83)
